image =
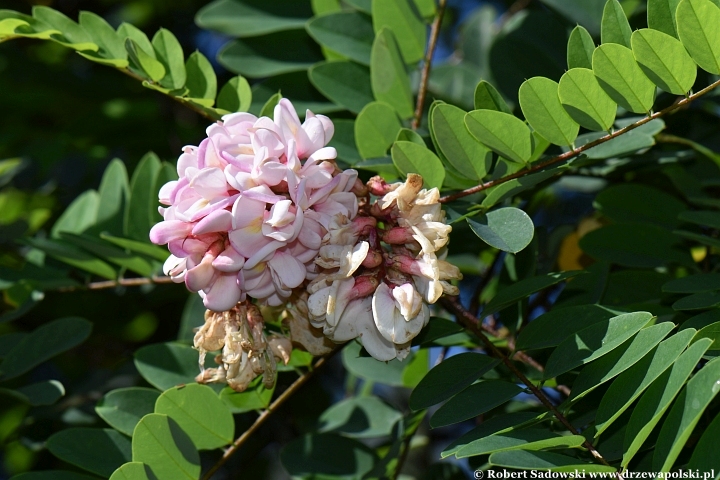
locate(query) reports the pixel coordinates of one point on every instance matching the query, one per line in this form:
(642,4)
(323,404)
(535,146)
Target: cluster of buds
(382,269)
(246,351)
(251,206)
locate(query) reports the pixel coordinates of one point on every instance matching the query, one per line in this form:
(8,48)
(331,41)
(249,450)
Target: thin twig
(469,321)
(577,151)
(122,282)
(279,401)
(425,76)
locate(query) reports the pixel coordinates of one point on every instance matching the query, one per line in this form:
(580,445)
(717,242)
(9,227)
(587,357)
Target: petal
(210,183)
(200,276)
(217,221)
(224,293)
(288,269)
(229,261)
(164,232)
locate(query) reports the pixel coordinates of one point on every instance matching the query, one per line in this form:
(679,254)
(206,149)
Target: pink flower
(251,206)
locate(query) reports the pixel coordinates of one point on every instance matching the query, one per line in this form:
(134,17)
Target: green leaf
(200,413)
(505,134)
(436,329)
(588,104)
(473,401)
(698,301)
(664,60)
(127,30)
(657,399)
(522,289)
(487,98)
(144,61)
(513,187)
(615,27)
(113,197)
(631,383)
(410,157)
(169,52)
(359,417)
(256,397)
(700,321)
(528,439)
(271,54)
(133,471)
(73,256)
(344,141)
(594,341)
(704,457)
(497,424)
(111,253)
(619,360)
(407,135)
(702,282)
(43,343)
(622,79)
(148,249)
(469,157)
(345,83)
(80,215)
(685,414)
(123,408)
(580,48)
(327,455)
(160,443)
(72,36)
(364,366)
(201,79)
(635,245)
(697,22)
(376,127)
(103,35)
(249,19)
(543,111)
(549,461)
(706,218)
(235,95)
(712,332)
(269,107)
(637,203)
(165,365)
(41,393)
(388,77)
(100,451)
(450,377)
(508,229)
(703,239)
(551,328)
(661,16)
(141,212)
(348,33)
(401,19)
(54,475)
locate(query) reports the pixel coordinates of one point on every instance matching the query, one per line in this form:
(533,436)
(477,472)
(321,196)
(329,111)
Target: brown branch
(425,76)
(469,321)
(279,401)
(577,151)
(122,282)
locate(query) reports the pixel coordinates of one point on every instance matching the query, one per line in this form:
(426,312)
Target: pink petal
(288,269)
(210,183)
(229,260)
(217,221)
(224,293)
(164,232)
(200,276)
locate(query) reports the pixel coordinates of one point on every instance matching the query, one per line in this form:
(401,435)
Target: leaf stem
(121,282)
(425,75)
(577,151)
(469,321)
(279,401)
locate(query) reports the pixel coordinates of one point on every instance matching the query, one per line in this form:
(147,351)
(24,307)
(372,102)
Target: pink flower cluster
(252,205)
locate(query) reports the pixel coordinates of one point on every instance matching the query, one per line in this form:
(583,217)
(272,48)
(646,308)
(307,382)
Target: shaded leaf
(345,83)
(105,37)
(327,455)
(364,366)
(487,98)
(661,16)
(704,457)
(553,462)
(201,79)
(409,157)
(631,202)
(133,471)
(436,329)
(141,212)
(100,451)
(500,423)
(712,332)
(123,408)
(44,343)
(36,394)
(580,48)
(401,19)
(376,127)
(143,61)
(594,341)
(348,33)
(235,95)
(160,443)
(702,282)
(522,289)
(450,377)
(80,215)
(508,229)
(359,417)
(615,27)
(473,401)
(698,301)
(165,365)
(253,17)
(200,414)
(657,399)
(506,134)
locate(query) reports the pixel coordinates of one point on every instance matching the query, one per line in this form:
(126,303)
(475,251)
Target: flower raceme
(261,210)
